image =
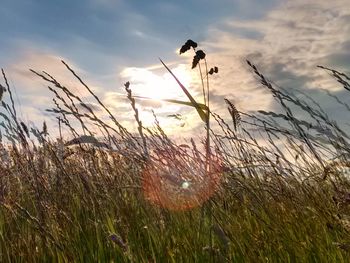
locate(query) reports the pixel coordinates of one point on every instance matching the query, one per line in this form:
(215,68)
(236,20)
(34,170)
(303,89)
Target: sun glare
(177,181)
(158,86)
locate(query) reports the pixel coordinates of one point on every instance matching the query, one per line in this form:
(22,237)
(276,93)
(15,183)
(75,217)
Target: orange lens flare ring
(175,184)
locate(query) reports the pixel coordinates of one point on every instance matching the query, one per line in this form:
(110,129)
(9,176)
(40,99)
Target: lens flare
(179,182)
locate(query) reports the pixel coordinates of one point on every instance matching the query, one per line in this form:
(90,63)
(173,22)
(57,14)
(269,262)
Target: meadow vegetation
(262,187)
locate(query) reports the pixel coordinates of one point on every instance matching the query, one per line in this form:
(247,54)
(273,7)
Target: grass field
(268,187)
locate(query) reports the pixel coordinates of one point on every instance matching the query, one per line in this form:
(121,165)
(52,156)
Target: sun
(145,82)
(157,85)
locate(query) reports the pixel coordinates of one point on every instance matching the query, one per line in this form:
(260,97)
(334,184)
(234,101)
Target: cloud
(158,85)
(29,83)
(106,3)
(286,45)
(31,94)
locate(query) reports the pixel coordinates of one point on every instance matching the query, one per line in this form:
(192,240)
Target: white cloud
(157,84)
(28,82)
(31,94)
(286,44)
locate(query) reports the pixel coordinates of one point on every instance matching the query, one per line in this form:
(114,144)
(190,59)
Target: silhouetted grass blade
(204,116)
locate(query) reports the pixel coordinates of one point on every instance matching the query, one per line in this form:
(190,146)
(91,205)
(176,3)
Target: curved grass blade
(204,116)
(186,103)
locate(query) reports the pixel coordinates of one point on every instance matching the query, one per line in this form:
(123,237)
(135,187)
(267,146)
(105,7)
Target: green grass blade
(186,103)
(204,116)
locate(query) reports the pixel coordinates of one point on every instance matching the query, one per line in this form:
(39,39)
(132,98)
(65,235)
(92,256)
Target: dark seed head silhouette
(199,55)
(188,45)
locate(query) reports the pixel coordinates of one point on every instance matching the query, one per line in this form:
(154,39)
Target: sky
(109,42)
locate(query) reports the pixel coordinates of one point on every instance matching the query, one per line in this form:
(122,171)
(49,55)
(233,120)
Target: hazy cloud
(113,41)
(287,45)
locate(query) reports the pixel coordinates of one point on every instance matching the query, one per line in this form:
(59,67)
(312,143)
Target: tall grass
(261,188)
